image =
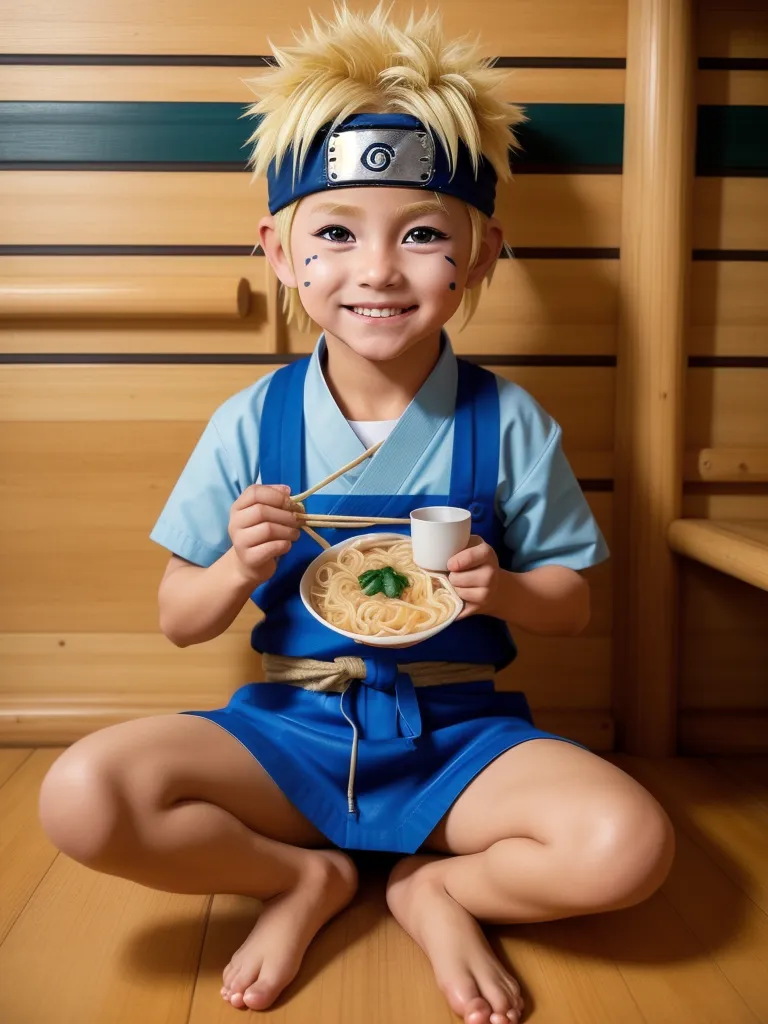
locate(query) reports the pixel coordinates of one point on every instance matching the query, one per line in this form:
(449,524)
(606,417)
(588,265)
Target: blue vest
(288,628)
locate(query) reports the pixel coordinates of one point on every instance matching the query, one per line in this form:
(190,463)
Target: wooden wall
(723,672)
(98,415)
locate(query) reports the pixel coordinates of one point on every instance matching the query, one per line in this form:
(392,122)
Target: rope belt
(338,675)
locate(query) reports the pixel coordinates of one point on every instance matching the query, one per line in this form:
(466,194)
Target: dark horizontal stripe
(606,486)
(245,60)
(520,252)
(539,167)
(574,137)
(120,165)
(732,140)
(268,359)
(731,255)
(728,363)
(259,359)
(528,360)
(553,252)
(204,60)
(148,165)
(734,172)
(597,63)
(733,63)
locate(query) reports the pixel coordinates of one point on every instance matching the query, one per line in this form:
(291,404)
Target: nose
(379,267)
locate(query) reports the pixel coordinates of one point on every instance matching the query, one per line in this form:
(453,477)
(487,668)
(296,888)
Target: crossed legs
(547,830)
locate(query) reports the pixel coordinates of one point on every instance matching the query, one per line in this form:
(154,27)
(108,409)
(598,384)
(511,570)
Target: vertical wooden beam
(655,256)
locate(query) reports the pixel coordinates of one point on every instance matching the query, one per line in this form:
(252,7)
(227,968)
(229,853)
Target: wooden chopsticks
(308,520)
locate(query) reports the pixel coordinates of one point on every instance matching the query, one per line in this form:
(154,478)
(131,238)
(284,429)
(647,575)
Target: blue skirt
(403,786)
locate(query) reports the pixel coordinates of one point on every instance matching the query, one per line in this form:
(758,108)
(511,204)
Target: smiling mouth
(378,316)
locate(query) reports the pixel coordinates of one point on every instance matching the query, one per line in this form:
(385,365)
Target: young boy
(382,148)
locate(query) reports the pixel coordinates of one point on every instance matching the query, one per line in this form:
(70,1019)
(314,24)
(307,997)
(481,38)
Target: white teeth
(364,311)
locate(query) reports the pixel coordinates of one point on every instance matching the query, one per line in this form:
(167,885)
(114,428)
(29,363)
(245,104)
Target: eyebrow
(342,210)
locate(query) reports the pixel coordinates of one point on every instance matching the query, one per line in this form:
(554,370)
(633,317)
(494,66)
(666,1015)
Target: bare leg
(173,802)
(585,838)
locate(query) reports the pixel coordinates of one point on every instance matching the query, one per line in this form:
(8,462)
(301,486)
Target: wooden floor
(79,947)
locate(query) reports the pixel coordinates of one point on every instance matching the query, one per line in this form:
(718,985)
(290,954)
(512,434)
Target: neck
(368,390)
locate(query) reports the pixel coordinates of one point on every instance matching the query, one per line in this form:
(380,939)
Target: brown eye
(436,235)
(333,227)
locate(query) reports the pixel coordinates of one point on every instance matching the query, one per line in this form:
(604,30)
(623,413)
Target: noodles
(337,596)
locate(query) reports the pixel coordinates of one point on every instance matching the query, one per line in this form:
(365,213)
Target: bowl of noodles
(368,588)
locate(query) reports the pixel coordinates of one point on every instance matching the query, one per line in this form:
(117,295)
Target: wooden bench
(739,549)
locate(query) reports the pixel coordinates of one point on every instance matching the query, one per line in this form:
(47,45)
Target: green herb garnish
(386,581)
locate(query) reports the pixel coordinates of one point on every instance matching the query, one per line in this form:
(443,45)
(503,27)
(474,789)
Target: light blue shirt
(546,517)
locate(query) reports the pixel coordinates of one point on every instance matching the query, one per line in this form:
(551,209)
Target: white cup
(437,534)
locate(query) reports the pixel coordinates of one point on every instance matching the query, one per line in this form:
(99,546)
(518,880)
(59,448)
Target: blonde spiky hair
(362,63)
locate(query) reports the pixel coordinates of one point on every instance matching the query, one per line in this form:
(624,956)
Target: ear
(490,248)
(275,253)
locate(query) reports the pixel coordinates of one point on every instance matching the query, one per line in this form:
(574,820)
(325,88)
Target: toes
(261,994)
(464,997)
(477,1011)
(237,987)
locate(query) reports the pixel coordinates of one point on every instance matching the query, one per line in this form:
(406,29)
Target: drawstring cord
(351,803)
(339,675)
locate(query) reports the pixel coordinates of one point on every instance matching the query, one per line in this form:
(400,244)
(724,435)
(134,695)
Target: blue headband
(381,149)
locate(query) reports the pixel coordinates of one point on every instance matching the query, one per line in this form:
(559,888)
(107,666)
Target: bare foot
(476,985)
(271,956)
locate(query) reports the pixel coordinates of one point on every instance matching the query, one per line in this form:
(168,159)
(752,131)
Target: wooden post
(655,256)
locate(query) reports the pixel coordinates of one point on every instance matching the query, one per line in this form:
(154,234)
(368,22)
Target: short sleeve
(547,519)
(194,523)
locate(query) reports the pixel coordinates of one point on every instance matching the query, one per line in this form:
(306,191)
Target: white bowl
(366,540)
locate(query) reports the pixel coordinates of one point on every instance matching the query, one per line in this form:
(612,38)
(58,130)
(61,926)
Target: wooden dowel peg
(140,297)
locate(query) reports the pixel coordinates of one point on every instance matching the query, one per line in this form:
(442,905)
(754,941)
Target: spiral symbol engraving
(377,157)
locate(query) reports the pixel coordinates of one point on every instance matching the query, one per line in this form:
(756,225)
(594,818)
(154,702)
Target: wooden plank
(724,643)
(729,825)
(726,408)
(729,308)
(724,731)
(11,760)
(738,549)
(666,968)
(113,393)
(749,88)
(152,84)
(532,307)
(596,29)
(732,28)
(726,502)
(25,852)
(223,208)
(730,928)
(748,772)
(730,213)
(110,949)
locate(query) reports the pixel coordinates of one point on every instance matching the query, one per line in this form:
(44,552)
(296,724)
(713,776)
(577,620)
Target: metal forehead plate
(380,154)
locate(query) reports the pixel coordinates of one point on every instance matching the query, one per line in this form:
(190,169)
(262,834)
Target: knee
(79,806)
(628,856)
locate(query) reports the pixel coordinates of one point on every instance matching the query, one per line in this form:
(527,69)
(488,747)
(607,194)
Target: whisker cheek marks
(452,285)
(306,262)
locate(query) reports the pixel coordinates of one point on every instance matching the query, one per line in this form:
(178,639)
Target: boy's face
(357,248)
